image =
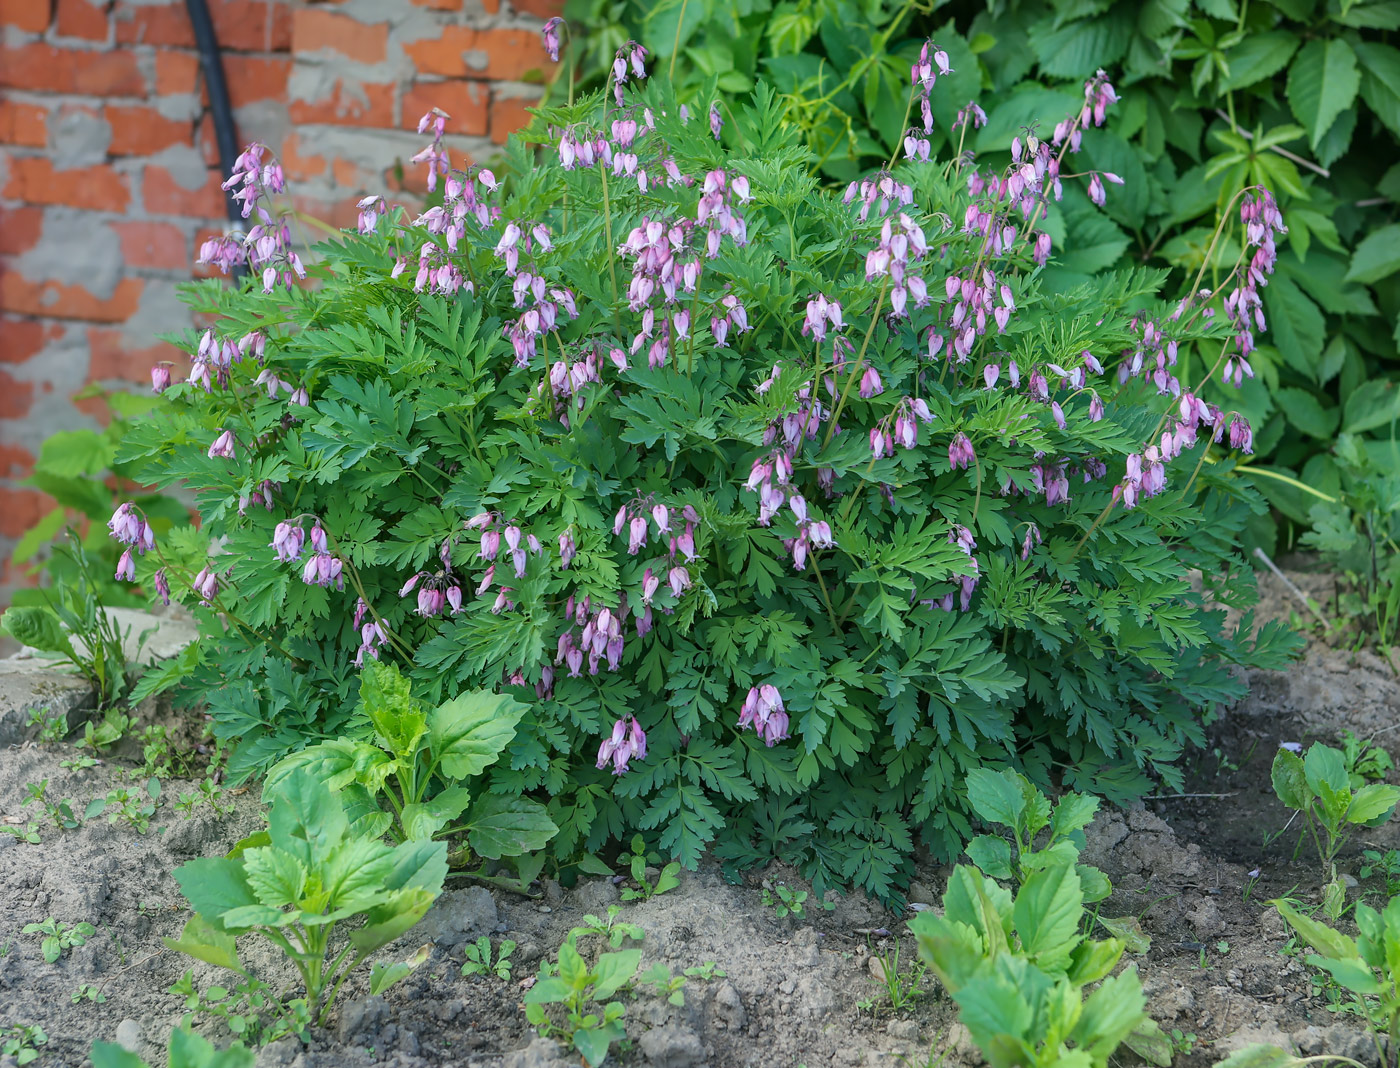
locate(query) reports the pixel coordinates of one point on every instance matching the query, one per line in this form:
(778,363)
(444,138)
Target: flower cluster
(626,743)
(763,712)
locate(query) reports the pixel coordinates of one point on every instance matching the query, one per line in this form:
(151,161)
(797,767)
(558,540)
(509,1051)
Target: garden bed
(792,989)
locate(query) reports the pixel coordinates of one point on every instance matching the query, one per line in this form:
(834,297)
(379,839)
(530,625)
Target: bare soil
(795,991)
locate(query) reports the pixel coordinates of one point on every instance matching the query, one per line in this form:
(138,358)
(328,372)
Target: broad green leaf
(246,917)
(213,886)
(500,826)
(306,819)
(1092,960)
(1370,405)
(593,1042)
(1373,802)
(418,865)
(1129,930)
(277,878)
(1111,1013)
(1352,974)
(1296,326)
(1302,408)
(38,628)
(203,941)
(991,1006)
(111,1055)
(383,976)
(1322,83)
(614,971)
(1259,56)
(996,796)
(1324,765)
(954,951)
(425,819)
(388,701)
(1331,944)
(1073,812)
(1377,256)
(469,732)
(337,763)
(1290,781)
(189,1050)
(1046,916)
(1093,882)
(394,918)
(355,871)
(1260,1056)
(991,854)
(1149,1042)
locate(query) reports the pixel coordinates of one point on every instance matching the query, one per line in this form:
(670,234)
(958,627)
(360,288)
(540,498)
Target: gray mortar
(77,139)
(74,248)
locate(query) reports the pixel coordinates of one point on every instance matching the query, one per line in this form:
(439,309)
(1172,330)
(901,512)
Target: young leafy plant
(58,938)
(249,1008)
(1367,966)
(22,1042)
(667,879)
(1319,786)
(1365,760)
(296,883)
(1009,799)
(479,960)
(411,778)
(186,1050)
(575,986)
(1019,969)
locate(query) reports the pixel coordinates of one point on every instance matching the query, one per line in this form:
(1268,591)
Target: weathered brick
(21,339)
(465,101)
(176,72)
(141,131)
(508,114)
(15,396)
(82,18)
(156,245)
(463,52)
(163,195)
(21,508)
(314,29)
(54,299)
(31,16)
(544,9)
(23,124)
(44,68)
(240,25)
(15,461)
(298,167)
(254,78)
(207,142)
(34,180)
(353,104)
(20,229)
(114,358)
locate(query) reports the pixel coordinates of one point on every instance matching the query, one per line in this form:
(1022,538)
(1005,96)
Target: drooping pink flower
(627,742)
(550,37)
(287,540)
(223,446)
(960,452)
(126,567)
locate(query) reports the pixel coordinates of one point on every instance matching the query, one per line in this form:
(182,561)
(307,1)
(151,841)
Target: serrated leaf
(1322,83)
(1377,256)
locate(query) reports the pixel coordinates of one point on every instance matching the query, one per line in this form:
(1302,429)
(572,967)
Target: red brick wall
(109,172)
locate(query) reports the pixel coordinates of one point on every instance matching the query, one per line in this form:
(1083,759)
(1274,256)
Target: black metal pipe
(225,135)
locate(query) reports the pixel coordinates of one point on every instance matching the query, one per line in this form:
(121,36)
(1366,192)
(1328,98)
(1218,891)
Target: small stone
(279,1054)
(673,1045)
(128,1036)
(1205,918)
(460,915)
(361,1015)
(541,1053)
(544,908)
(729,1007)
(553,892)
(596,895)
(905,1030)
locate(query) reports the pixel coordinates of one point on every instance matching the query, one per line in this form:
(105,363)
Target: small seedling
(707,971)
(60,813)
(88,992)
(28,832)
(668,879)
(479,958)
(1365,761)
(1319,786)
(187,1050)
(785,901)
(207,792)
(664,984)
(1223,948)
(122,805)
(904,987)
(1386,865)
(59,937)
(111,729)
(22,1041)
(52,727)
(575,986)
(1182,1042)
(249,1009)
(81,762)
(613,929)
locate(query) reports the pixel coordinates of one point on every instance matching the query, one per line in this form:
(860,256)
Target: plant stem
(676,46)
